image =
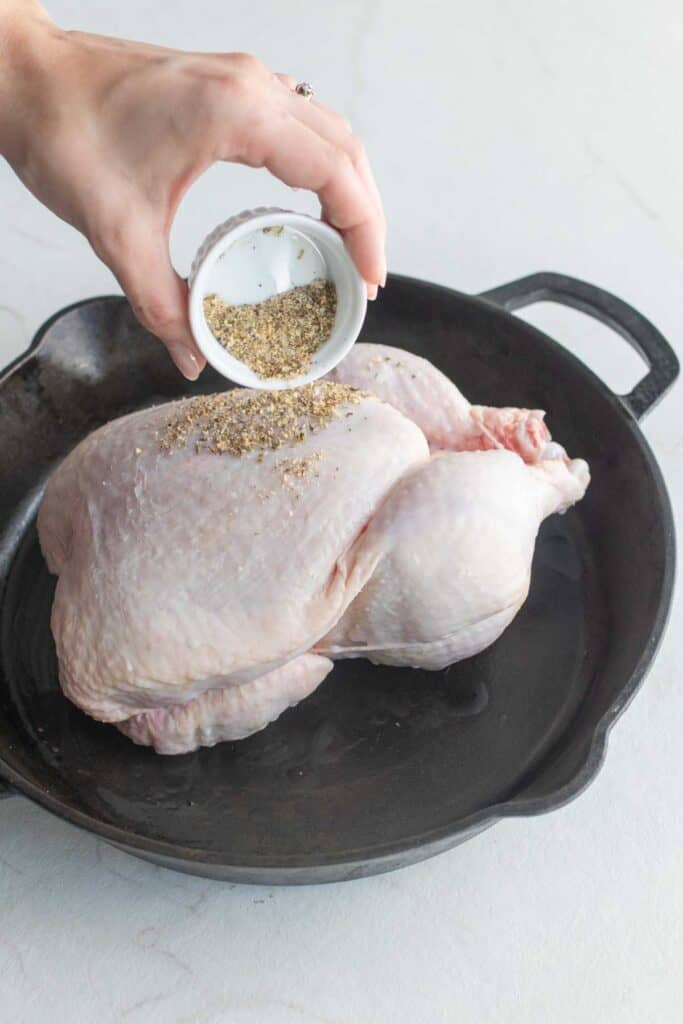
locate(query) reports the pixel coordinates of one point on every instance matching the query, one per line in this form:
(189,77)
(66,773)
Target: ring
(304,89)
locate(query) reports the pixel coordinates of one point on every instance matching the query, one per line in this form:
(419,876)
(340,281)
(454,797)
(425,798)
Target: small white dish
(260,253)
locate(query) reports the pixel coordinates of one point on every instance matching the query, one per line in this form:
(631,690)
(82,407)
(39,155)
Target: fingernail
(384,280)
(183,359)
(372,292)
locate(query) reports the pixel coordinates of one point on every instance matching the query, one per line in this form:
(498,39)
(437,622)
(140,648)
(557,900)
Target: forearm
(12,12)
(25,33)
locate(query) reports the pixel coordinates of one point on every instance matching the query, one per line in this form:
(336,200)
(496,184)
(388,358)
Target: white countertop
(506,138)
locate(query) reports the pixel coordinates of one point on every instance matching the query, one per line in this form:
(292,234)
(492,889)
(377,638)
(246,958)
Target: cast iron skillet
(380,767)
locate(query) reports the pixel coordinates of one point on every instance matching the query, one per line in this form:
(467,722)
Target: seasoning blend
(238,422)
(278,337)
(275,299)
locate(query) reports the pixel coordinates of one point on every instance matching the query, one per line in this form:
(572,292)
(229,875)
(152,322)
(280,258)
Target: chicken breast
(184,571)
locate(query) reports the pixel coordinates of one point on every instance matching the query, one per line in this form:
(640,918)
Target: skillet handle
(632,325)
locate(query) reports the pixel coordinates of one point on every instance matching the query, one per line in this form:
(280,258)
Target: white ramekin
(237,254)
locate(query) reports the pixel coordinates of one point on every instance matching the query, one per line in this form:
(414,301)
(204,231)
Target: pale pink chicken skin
(181,572)
(228,714)
(426,396)
(447,558)
(189,594)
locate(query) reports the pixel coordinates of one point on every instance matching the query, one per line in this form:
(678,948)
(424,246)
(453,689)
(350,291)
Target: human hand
(110,134)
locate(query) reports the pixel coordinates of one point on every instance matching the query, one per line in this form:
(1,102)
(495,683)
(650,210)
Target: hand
(109,134)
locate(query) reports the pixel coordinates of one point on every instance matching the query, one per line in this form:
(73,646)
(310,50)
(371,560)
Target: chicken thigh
(201,593)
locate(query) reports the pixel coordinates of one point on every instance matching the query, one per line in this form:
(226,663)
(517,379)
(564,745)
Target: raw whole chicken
(215,554)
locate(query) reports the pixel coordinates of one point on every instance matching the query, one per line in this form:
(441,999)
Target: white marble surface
(507,138)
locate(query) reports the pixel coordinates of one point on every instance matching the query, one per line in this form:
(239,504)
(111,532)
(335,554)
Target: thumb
(157,294)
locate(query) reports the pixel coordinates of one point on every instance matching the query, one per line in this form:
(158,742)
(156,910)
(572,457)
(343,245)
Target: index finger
(336,129)
(301,158)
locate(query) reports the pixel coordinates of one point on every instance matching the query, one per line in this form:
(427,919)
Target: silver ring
(304,89)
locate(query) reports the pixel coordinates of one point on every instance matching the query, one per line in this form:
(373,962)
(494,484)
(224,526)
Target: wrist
(26,33)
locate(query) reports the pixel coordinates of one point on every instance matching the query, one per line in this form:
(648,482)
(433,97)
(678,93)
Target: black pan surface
(380,766)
